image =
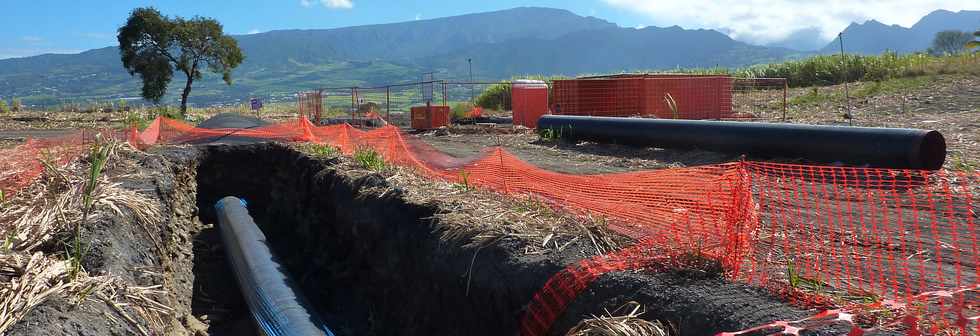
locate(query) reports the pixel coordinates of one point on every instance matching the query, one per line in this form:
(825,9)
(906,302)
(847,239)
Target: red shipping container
(529,101)
(429,117)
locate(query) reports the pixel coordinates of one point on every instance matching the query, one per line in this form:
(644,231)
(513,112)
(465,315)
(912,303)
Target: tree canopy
(950,42)
(153,46)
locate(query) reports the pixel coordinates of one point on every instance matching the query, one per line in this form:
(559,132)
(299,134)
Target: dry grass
(44,215)
(29,280)
(477,217)
(624,321)
(53,205)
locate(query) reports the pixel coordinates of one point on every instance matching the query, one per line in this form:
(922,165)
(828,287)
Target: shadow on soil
(374,264)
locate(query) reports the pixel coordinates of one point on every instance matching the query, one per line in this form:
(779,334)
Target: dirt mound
(232,120)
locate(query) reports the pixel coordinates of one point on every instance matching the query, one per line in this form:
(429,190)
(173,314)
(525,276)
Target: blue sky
(40,26)
(32,27)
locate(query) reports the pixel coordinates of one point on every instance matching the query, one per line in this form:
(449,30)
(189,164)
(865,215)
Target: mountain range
(873,37)
(501,44)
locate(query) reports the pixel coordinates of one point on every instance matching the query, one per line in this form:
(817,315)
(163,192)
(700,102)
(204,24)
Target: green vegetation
(319,150)
(98,157)
(137,119)
(799,282)
(893,85)
(814,96)
(950,42)
(464,181)
(817,96)
(550,134)
(827,70)
(369,159)
(460,110)
(4,108)
(16,105)
(166,111)
(153,45)
(973,44)
(495,97)
(960,162)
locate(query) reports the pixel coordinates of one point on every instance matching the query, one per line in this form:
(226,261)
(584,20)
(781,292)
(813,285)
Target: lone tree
(153,45)
(950,42)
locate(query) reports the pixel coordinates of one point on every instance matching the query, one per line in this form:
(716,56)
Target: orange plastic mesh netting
(905,240)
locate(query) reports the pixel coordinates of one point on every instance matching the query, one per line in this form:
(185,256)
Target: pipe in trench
(276,304)
(875,147)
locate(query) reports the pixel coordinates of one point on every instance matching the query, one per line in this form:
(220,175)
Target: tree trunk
(183,96)
(187,89)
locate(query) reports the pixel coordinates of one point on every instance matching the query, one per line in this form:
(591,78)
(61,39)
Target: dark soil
(370,262)
(140,255)
(373,263)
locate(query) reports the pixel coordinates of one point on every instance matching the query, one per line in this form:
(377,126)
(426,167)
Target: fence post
(353,102)
(444,94)
(785,90)
(319,106)
(388,103)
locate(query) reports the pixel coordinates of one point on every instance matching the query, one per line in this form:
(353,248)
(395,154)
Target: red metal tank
(529,101)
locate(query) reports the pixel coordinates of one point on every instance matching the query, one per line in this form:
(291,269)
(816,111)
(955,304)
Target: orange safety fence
(860,239)
(21,165)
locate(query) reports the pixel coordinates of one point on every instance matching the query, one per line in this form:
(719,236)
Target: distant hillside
(501,44)
(873,37)
(615,50)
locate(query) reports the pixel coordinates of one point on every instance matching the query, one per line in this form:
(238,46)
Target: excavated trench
(371,262)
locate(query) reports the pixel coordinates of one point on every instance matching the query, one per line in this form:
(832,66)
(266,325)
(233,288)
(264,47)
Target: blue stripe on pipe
(276,304)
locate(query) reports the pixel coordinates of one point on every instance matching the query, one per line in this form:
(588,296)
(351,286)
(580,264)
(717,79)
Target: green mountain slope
(502,44)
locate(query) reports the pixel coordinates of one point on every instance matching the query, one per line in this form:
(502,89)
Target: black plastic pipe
(875,147)
(276,304)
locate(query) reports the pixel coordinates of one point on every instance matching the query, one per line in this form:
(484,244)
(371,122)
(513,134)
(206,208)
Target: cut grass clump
(892,86)
(550,134)
(624,321)
(318,150)
(464,181)
(813,97)
(369,159)
(98,157)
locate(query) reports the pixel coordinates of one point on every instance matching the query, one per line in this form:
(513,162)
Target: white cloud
(32,39)
(253,31)
(766,21)
(418,17)
(333,4)
(338,4)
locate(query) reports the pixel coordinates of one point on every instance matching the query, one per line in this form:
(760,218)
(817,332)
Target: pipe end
(932,151)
